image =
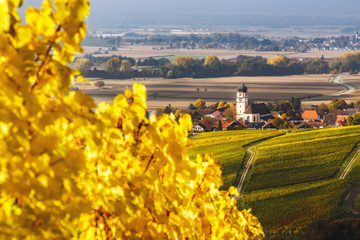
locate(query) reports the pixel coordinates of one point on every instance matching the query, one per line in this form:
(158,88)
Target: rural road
(348,89)
(349,204)
(348,167)
(247,167)
(337,79)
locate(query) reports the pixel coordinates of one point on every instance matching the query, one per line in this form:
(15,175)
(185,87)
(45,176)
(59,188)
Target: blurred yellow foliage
(72,170)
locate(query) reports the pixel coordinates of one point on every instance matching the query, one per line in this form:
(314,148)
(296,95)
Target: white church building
(253,112)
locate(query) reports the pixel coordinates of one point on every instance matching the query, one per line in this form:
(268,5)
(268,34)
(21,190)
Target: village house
(198,127)
(231,125)
(310,116)
(217,113)
(341,120)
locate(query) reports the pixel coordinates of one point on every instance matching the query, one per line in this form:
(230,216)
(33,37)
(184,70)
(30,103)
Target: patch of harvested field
(181,92)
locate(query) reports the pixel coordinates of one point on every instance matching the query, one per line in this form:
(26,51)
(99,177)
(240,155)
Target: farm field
(181,92)
(230,155)
(294,180)
(145,51)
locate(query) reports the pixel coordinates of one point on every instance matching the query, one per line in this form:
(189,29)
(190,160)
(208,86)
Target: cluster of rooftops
(261,117)
(308,119)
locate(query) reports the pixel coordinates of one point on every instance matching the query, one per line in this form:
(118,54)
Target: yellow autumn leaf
(4,16)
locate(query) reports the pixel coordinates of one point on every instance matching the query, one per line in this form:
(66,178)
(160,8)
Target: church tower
(241,101)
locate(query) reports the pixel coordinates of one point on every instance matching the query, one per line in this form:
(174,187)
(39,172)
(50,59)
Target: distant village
(308,119)
(249,115)
(174,40)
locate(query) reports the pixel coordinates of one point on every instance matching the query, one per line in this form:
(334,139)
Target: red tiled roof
(220,117)
(310,114)
(341,118)
(226,123)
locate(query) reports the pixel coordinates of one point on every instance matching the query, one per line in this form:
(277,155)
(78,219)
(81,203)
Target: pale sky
(226,6)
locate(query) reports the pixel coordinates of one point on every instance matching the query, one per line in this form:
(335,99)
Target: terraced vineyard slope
(294,180)
(228,147)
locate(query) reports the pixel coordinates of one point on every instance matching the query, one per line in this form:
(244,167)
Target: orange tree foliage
(278,61)
(71,169)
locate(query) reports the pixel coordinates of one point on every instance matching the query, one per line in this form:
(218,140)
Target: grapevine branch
(47,55)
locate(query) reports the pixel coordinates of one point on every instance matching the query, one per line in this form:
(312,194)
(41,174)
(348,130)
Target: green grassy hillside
(294,179)
(228,148)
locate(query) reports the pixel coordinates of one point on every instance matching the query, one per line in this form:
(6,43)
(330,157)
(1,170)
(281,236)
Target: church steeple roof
(242,88)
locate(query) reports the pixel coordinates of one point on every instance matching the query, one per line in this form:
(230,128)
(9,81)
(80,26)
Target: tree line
(212,66)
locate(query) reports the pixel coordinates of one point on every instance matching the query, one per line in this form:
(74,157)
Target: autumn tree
(280,123)
(323,109)
(317,66)
(200,104)
(211,60)
(125,66)
(186,61)
(350,61)
(335,64)
(83,64)
(230,112)
(221,104)
(337,104)
(354,119)
(71,169)
(113,65)
(278,61)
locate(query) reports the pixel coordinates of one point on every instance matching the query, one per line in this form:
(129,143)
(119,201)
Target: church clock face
(240,99)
